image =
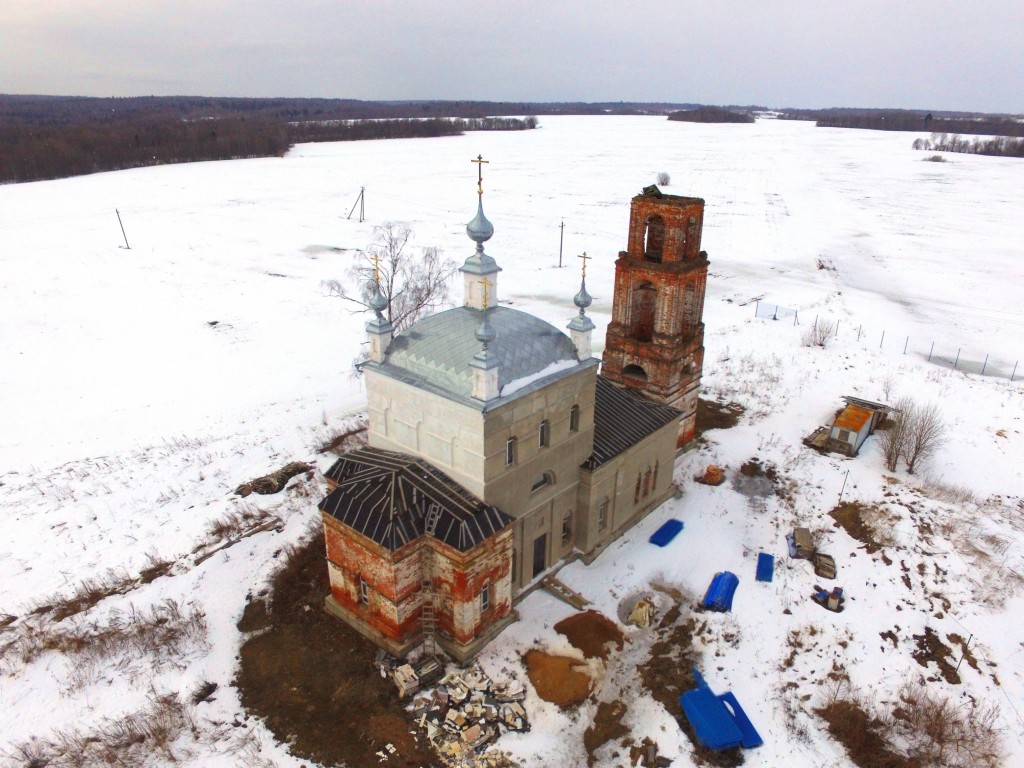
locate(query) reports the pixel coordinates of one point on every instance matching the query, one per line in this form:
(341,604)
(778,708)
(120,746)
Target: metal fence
(935,351)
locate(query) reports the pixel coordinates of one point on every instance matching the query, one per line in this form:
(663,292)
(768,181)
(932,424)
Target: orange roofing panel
(853,418)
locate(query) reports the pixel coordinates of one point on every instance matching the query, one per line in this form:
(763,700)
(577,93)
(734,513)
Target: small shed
(851,427)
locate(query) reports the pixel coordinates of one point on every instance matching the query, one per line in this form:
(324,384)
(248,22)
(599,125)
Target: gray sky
(885,53)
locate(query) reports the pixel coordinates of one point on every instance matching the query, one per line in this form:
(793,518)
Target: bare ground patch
(863,523)
(562,680)
(311,678)
(712,414)
(591,632)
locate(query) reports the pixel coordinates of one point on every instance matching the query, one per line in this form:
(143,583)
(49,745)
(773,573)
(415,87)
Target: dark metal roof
(622,419)
(393,498)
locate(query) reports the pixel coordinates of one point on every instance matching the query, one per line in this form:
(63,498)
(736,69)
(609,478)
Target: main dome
(435,352)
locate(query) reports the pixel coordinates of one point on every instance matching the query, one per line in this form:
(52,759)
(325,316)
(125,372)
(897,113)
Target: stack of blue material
(765,567)
(720,592)
(719,722)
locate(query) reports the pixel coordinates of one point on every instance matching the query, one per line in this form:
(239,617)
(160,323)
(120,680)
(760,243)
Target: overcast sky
(819,53)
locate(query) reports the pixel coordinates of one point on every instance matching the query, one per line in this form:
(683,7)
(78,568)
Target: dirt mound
(591,632)
(275,481)
(562,680)
(606,726)
(713,475)
(312,680)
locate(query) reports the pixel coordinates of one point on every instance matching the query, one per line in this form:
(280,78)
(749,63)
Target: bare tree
(924,434)
(664,179)
(893,439)
(818,334)
(412,285)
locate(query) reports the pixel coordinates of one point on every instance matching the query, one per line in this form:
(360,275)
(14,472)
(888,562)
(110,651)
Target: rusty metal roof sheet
(853,418)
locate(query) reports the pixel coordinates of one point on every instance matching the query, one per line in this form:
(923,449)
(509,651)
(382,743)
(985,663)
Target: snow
(128,416)
(549,370)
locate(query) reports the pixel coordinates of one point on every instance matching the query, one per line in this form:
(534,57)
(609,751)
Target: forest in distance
(48,137)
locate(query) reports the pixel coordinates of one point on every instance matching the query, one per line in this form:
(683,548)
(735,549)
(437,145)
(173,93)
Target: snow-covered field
(139,387)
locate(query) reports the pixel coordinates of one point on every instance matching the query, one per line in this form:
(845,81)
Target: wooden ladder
(428,612)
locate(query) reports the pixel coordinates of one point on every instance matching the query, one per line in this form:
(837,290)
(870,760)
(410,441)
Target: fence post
(815,322)
(1014,371)
(757,308)
(905,343)
(957,361)
(837,329)
(795,316)
(930,352)
(984,365)
(882,341)
(861,328)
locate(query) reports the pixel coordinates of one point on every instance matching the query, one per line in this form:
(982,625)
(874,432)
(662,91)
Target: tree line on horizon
(56,137)
(908,120)
(711,115)
(999,146)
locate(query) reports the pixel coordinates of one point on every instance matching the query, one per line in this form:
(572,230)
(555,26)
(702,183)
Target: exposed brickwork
(394,593)
(655,340)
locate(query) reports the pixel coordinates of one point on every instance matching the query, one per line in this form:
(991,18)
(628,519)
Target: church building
(496,448)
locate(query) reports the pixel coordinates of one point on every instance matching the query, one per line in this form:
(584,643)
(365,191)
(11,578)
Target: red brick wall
(672,357)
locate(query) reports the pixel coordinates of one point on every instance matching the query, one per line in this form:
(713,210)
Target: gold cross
(485,282)
(376,271)
(480,173)
(585,260)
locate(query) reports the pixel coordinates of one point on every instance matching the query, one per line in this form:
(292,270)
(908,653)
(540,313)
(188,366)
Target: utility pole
(128,247)
(561,238)
(360,202)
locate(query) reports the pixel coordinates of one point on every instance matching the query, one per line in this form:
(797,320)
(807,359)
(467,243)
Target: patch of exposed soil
(931,649)
(606,726)
(850,516)
(714,415)
(591,632)
(755,480)
(668,673)
(562,680)
(275,481)
(861,735)
(311,677)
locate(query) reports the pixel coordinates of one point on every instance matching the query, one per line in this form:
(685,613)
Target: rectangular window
(510,452)
(602,515)
(566,529)
(844,436)
(574,419)
(364,591)
(485,598)
(545,434)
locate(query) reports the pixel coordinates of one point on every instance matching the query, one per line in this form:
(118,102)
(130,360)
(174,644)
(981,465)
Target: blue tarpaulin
(765,567)
(720,591)
(666,533)
(719,722)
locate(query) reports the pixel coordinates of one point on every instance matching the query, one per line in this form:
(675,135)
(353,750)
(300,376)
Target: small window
(364,591)
(602,515)
(485,598)
(636,492)
(844,436)
(541,480)
(566,529)
(510,452)
(574,419)
(544,434)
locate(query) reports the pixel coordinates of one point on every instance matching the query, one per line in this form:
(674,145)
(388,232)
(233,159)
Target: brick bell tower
(655,341)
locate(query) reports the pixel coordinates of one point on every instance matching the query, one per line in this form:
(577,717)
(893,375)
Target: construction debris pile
(467,712)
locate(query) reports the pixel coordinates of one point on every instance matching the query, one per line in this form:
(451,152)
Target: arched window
(647,482)
(543,479)
(634,375)
(641,312)
(654,239)
(544,434)
(510,452)
(636,491)
(574,419)
(655,481)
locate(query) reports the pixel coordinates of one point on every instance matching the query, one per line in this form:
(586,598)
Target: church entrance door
(540,549)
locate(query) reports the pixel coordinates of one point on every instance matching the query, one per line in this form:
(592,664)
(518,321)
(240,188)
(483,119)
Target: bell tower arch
(655,341)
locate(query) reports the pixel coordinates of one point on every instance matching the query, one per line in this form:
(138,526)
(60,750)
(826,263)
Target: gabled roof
(393,499)
(622,419)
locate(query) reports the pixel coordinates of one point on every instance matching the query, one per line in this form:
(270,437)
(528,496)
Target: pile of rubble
(467,712)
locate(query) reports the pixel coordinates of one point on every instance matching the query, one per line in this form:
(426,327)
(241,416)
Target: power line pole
(360,201)
(122,229)
(561,239)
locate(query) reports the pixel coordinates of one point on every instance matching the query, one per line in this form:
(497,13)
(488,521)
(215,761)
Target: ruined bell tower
(655,341)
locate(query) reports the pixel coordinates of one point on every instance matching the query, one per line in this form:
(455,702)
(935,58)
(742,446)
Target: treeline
(711,115)
(55,137)
(1002,146)
(32,153)
(406,128)
(906,120)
